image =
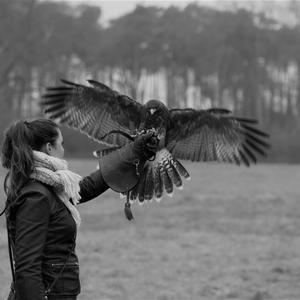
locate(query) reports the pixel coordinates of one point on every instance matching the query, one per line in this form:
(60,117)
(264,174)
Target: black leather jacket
(44,233)
(43,230)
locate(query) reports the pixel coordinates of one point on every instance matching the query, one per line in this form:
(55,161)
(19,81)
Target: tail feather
(158,184)
(158,176)
(141,186)
(173,173)
(181,169)
(149,184)
(133,194)
(167,182)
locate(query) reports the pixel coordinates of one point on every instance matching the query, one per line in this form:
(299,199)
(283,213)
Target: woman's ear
(47,148)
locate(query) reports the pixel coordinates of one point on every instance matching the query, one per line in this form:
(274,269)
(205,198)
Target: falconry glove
(121,169)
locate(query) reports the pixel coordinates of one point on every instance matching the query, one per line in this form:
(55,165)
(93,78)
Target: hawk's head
(155,106)
(157,114)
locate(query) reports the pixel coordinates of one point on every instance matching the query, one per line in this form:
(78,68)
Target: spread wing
(94,110)
(214,135)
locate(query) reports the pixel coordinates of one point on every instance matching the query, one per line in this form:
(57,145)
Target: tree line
(192,57)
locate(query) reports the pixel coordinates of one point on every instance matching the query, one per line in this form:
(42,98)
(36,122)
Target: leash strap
(11,260)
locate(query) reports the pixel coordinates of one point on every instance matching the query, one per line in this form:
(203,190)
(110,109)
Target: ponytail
(17,156)
(20,140)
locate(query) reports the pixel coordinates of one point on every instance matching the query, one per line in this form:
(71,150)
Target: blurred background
(233,232)
(241,55)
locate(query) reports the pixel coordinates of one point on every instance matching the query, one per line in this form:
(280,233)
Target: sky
(114,8)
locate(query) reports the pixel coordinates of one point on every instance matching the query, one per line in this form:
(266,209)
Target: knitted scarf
(54,171)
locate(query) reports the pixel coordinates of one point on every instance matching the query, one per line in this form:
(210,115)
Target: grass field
(232,233)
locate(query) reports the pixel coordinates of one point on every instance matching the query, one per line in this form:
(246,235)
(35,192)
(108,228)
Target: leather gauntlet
(121,169)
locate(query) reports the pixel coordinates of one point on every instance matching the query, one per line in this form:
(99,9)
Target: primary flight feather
(184,134)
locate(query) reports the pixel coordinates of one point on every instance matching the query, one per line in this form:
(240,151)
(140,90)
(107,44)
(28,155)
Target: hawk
(113,119)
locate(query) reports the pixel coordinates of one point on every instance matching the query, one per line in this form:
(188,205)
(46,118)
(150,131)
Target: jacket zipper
(67,264)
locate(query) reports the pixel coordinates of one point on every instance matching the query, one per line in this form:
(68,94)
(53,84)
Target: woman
(41,204)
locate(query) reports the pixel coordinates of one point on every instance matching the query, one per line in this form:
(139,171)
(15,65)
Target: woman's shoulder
(35,186)
(34,196)
(34,191)
(34,199)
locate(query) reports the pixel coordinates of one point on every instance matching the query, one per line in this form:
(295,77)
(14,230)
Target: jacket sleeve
(32,218)
(92,186)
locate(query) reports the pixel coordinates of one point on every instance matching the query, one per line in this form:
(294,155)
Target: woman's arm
(92,186)
(32,218)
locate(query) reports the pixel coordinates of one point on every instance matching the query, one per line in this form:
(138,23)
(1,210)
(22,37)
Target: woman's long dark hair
(20,139)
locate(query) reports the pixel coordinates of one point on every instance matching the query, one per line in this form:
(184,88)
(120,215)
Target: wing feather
(94,110)
(215,135)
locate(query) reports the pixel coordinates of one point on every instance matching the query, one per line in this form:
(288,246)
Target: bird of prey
(110,118)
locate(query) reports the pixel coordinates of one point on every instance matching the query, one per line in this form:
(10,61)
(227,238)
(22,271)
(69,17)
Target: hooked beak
(152,111)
